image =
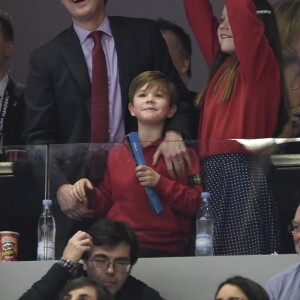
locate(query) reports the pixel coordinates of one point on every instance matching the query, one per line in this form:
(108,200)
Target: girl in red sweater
(242,100)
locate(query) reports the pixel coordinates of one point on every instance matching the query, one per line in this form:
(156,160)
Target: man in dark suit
(11,92)
(13,125)
(18,211)
(109,251)
(58,95)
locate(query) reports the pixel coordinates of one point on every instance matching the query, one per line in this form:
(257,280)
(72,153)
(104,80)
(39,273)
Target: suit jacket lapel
(72,53)
(13,123)
(124,58)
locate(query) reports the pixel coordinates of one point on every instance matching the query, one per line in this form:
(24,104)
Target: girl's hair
(101,292)
(154,78)
(288,19)
(272,34)
(250,288)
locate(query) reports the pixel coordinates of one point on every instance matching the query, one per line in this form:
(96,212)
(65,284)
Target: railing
(29,174)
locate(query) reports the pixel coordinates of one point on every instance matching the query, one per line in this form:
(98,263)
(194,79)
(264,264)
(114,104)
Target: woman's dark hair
(250,288)
(77,283)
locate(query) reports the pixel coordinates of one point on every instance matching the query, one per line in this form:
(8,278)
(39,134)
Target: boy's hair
(154,78)
(184,40)
(112,233)
(6,26)
(288,20)
(266,14)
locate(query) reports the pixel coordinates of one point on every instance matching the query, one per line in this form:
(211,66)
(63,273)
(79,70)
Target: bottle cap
(47,202)
(205,195)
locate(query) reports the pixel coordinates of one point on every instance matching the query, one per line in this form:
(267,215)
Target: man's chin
(112,290)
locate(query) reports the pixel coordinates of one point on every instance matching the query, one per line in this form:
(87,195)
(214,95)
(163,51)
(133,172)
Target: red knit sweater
(121,197)
(252,110)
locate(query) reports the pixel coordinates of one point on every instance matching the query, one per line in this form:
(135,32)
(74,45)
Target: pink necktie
(99,103)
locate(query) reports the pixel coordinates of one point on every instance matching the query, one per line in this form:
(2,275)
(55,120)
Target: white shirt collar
(3,84)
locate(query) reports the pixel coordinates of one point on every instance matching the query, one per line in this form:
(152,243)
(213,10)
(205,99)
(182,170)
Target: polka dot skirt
(245,216)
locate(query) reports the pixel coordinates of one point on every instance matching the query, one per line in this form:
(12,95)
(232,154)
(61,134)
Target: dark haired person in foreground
(84,289)
(109,252)
(241,288)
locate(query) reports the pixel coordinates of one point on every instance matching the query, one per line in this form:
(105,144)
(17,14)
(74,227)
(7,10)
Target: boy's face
(151,105)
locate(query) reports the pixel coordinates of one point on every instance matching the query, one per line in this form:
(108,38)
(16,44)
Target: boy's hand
(147,176)
(175,154)
(79,190)
(73,208)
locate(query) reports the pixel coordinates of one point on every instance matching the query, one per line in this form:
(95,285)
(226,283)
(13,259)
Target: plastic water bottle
(204,228)
(46,233)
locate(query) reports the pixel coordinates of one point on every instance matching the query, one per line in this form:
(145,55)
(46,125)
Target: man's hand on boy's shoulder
(175,154)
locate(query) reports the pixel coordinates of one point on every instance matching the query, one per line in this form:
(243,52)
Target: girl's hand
(147,176)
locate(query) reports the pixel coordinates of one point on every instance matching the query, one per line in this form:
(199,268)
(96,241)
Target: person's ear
(172,111)
(184,65)
(9,49)
(131,109)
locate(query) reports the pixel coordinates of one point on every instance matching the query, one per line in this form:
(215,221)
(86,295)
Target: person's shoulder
(291,271)
(17,88)
(142,290)
(51,45)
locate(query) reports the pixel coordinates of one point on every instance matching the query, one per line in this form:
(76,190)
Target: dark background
(37,21)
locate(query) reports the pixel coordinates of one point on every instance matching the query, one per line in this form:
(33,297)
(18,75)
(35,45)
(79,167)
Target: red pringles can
(9,245)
